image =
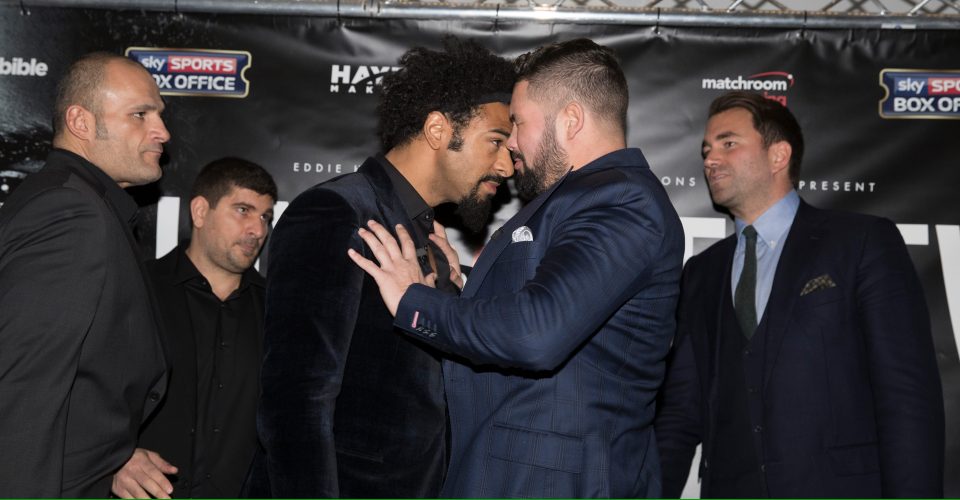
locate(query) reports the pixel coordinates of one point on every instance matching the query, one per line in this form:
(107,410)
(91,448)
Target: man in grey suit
(558,340)
(81,364)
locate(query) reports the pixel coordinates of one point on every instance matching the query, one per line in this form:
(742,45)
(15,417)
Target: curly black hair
(455,81)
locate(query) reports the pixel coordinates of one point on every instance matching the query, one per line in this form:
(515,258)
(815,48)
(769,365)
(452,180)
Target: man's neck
(751,213)
(595,145)
(410,163)
(222,282)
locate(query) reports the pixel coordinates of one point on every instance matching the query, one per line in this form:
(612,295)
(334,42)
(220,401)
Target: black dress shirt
(421,218)
(207,425)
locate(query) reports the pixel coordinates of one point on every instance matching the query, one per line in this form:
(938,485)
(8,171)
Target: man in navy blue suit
(556,345)
(804,361)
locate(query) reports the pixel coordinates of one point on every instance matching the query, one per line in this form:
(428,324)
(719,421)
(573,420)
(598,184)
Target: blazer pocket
(537,448)
(525,463)
(364,455)
(820,297)
(516,250)
(855,459)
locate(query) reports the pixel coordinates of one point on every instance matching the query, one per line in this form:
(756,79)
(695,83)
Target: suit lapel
(388,203)
(799,255)
(724,300)
(500,239)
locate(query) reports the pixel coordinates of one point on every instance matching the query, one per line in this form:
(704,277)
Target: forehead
(490,116)
(245,196)
(737,121)
(521,103)
(130,80)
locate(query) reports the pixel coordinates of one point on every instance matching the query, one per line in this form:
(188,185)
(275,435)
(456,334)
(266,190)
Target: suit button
(758,428)
(746,352)
(763,468)
(752,390)
(154,396)
(706,465)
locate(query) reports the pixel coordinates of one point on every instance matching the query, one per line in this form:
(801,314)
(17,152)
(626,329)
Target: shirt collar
(185,271)
(413,204)
(773,224)
(122,202)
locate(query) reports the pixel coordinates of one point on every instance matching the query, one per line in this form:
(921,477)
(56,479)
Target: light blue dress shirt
(772,229)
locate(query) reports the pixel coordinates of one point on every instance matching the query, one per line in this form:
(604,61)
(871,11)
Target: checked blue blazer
(557,345)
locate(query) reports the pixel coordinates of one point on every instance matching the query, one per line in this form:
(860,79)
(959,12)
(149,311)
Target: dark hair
(455,82)
(577,70)
(81,85)
(771,119)
(220,176)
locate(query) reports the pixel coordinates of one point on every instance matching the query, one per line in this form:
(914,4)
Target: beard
(474,209)
(552,163)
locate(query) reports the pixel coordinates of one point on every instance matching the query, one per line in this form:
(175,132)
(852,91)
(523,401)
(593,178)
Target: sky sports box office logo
(196,72)
(920,94)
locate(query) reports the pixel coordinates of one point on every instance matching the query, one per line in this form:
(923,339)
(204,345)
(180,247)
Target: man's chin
(474,212)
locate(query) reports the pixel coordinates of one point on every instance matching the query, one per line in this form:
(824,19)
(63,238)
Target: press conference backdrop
(297,94)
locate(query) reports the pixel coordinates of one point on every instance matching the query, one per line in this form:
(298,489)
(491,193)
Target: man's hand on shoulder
(143,476)
(398,267)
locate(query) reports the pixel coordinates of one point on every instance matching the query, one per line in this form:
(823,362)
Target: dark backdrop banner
(879,108)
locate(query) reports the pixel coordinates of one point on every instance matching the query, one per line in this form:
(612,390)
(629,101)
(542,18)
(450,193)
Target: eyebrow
(146,107)
(725,135)
(500,131)
(250,205)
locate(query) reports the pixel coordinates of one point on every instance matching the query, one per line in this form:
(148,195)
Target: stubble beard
(551,164)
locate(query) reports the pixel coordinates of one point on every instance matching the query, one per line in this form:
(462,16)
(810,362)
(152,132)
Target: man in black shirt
(202,439)
(349,408)
(81,365)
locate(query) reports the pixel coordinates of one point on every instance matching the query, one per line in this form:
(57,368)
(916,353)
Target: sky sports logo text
(920,94)
(771,84)
(193,72)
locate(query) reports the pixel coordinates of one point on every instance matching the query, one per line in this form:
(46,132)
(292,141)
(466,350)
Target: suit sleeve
(51,276)
(599,257)
(678,423)
(313,295)
(903,369)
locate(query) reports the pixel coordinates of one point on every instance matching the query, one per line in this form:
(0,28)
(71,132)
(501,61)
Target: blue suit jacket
(850,392)
(559,342)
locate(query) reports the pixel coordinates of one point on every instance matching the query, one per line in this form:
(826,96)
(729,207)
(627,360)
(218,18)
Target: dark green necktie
(745,296)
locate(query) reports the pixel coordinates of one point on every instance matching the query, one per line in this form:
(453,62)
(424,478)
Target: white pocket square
(522,233)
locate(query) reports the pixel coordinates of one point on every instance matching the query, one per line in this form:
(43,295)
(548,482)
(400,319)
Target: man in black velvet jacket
(348,407)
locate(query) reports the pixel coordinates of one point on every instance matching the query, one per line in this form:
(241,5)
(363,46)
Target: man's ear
(779,154)
(199,207)
(80,123)
(434,128)
(570,119)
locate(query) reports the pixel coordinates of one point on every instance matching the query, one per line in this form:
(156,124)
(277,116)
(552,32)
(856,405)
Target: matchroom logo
(771,84)
(196,72)
(920,94)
